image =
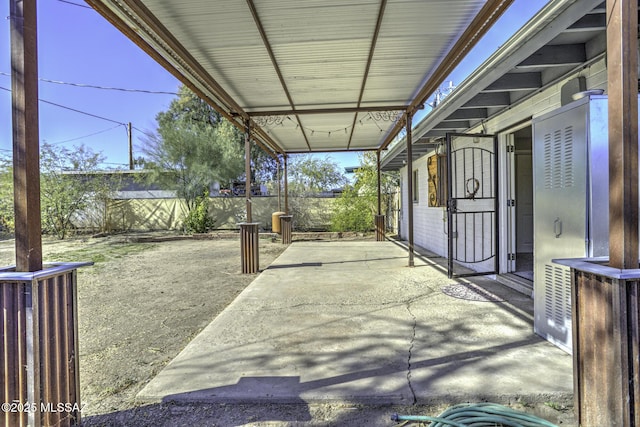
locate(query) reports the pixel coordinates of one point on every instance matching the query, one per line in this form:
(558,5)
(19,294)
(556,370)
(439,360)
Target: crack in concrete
(411,344)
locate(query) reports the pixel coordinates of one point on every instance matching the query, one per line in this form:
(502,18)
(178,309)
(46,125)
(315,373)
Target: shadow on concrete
(320,264)
(202,415)
(302,264)
(420,360)
(392,338)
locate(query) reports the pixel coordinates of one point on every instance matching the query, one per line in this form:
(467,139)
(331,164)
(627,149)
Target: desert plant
(198,219)
(356,206)
(69,184)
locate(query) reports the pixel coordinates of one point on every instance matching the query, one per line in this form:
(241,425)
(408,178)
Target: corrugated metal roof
(343,60)
(564,37)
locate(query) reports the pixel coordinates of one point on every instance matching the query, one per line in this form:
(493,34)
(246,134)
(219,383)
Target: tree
(188,107)
(310,174)
(6,196)
(194,147)
(356,206)
(69,186)
(189,157)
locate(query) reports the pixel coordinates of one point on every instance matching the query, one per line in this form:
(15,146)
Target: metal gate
(472,220)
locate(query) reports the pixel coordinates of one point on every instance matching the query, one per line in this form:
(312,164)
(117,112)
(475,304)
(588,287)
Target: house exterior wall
(430,222)
(545,101)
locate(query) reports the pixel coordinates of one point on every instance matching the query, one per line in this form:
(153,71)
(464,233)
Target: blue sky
(77,45)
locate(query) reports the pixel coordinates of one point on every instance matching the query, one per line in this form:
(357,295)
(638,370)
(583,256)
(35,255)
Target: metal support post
(380,217)
(249,231)
(26,149)
(622,65)
(286,187)
(410,188)
(247,168)
(605,298)
(279,179)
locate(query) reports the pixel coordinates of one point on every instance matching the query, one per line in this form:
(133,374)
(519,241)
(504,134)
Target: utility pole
(131,165)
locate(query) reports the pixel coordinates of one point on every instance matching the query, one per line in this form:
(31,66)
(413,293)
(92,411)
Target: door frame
(452,206)
(508,181)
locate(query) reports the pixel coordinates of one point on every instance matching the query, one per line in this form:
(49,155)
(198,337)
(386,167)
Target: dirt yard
(144,299)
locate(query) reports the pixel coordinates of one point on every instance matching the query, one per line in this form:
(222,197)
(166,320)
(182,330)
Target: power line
(85,136)
(73,109)
(150,135)
(75,4)
(59,82)
(82,112)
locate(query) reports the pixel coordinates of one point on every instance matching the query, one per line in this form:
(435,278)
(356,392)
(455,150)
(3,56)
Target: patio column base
(40,346)
(286,226)
(249,254)
(379,222)
(606,340)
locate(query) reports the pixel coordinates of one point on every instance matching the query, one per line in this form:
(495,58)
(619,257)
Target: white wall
(430,222)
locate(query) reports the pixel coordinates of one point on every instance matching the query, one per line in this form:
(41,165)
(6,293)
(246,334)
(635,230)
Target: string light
(388,116)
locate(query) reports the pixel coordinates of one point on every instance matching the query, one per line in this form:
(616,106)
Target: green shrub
(352,213)
(198,219)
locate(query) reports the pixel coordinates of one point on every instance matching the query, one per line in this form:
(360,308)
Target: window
(437,180)
(415,186)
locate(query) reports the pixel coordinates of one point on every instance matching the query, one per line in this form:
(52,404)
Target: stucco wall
(168,214)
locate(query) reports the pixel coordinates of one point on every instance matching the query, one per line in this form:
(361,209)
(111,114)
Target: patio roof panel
(288,55)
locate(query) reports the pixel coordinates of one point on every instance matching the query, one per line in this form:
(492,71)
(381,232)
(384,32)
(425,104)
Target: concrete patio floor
(347,321)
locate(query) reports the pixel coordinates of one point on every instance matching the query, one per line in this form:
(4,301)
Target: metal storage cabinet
(571,214)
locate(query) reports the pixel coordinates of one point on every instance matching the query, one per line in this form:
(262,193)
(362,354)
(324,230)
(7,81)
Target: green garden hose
(478,415)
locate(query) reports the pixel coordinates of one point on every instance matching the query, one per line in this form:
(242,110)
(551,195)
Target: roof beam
(327,110)
(276,67)
(337,150)
(372,48)
(516,81)
(437,133)
(154,29)
(469,113)
(492,99)
(457,124)
(589,22)
(153,38)
(554,55)
(484,20)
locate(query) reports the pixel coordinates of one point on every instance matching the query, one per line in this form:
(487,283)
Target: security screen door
(472,220)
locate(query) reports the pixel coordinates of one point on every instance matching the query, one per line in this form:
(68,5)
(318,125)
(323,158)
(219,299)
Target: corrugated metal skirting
(39,358)
(286,226)
(380,220)
(606,338)
(249,237)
